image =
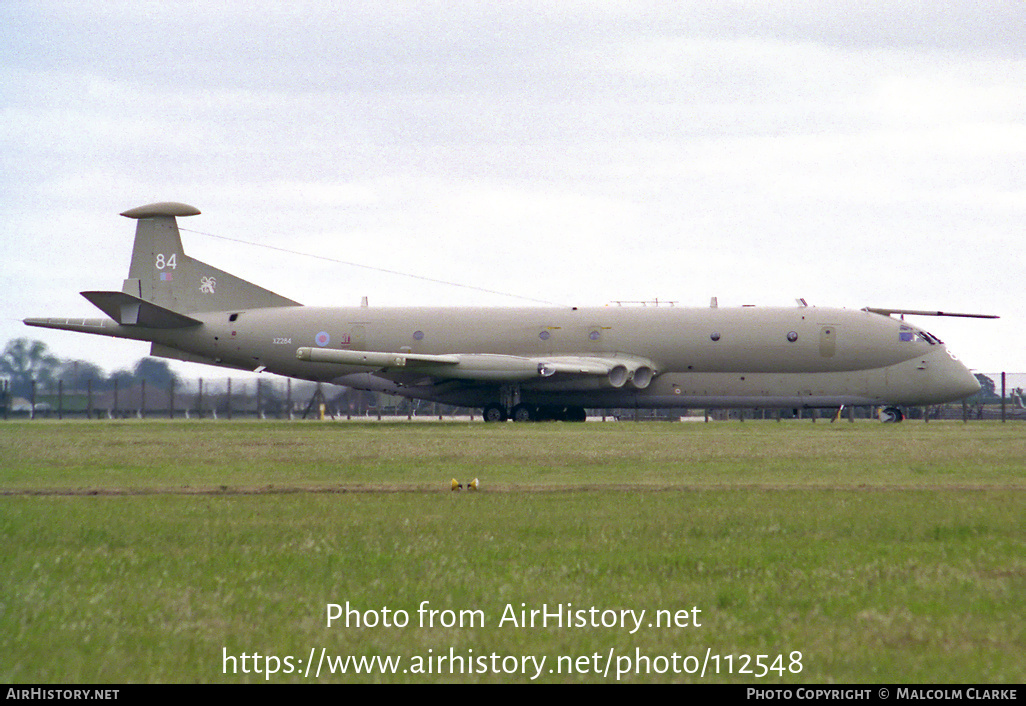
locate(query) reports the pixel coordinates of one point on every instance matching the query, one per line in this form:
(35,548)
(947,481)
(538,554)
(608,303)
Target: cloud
(574,152)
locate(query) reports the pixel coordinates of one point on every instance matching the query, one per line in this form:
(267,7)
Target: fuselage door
(827,340)
(357,338)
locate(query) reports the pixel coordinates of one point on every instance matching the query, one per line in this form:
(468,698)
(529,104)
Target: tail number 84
(164,262)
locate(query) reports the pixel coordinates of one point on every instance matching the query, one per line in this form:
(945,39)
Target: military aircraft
(525,363)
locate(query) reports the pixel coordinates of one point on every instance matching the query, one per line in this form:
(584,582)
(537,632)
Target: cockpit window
(909,334)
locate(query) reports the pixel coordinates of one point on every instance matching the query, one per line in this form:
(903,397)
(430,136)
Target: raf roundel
(322,339)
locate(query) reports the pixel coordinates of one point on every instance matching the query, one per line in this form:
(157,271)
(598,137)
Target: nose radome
(959,380)
(970,385)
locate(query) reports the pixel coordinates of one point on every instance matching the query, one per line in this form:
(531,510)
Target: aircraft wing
(491,367)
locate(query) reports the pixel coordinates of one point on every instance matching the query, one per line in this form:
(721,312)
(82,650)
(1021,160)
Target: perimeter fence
(1001,398)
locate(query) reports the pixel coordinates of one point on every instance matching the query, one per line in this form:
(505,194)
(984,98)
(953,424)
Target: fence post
(1002,397)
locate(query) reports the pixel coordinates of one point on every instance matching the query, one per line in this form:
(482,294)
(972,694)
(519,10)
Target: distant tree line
(988,389)
(76,386)
(24,361)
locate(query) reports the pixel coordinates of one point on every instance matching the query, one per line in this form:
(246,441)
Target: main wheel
(494,412)
(523,413)
(576,414)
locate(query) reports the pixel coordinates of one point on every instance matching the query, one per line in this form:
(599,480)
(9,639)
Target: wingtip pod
(165,209)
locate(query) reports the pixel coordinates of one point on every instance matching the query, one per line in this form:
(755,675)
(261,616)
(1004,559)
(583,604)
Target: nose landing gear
(891,415)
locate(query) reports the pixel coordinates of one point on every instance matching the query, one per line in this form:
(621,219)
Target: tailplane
(162,274)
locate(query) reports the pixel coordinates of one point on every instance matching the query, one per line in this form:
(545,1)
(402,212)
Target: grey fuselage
(505,358)
(704,357)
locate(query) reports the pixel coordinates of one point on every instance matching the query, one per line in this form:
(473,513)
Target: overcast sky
(568,152)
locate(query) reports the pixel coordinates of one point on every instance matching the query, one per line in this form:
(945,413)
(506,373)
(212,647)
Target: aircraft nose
(969,384)
(961,382)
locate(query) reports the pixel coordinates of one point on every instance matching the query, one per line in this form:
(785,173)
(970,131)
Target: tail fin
(163,274)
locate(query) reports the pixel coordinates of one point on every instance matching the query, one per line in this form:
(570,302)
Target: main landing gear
(891,415)
(495,412)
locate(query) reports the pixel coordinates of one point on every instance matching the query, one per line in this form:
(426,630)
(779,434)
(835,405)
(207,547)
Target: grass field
(155,551)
